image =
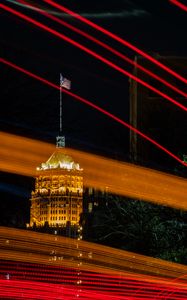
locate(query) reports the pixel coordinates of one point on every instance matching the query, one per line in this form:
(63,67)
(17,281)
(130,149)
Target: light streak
(94,54)
(117,53)
(87,102)
(175,280)
(98,15)
(21,155)
(179,4)
(33,290)
(35,272)
(64,249)
(115,37)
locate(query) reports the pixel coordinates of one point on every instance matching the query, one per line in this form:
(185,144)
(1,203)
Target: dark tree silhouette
(140,227)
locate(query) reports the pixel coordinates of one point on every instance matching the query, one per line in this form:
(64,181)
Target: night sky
(31,108)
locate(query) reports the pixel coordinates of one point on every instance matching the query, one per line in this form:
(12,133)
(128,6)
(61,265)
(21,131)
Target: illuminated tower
(57,200)
(58,195)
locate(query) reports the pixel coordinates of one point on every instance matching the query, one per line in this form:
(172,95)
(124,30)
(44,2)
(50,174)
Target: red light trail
(117,53)
(179,4)
(23,289)
(87,102)
(51,269)
(115,37)
(94,54)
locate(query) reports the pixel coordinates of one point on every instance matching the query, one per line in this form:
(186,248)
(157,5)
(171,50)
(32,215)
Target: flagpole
(60,139)
(60,133)
(65,83)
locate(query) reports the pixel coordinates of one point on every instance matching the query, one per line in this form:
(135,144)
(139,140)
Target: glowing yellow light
(21,156)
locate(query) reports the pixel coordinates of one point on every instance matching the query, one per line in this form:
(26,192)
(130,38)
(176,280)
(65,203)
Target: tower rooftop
(60,160)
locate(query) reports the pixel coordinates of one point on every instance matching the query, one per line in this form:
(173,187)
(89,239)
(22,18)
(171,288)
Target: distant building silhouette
(157,117)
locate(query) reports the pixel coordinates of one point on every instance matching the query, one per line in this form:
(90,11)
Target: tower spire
(64,83)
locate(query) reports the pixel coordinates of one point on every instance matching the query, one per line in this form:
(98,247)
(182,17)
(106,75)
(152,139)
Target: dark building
(156,116)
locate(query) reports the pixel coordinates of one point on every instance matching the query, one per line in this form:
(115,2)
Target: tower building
(58,195)
(57,199)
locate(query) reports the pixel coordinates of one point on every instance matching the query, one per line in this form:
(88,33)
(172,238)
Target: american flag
(65,83)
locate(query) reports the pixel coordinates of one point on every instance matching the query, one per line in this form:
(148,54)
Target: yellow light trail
(21,155)
(41,248)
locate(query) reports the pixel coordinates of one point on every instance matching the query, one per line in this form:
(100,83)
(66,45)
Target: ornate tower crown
(60,141)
